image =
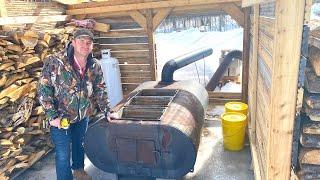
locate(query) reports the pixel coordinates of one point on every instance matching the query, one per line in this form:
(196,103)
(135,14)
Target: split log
(312,82)
(315,59)
(28,61)
(309,159)
(30,39)
(310,136)
(13,48)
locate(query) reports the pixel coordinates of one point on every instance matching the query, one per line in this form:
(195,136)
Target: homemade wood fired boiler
(158,132)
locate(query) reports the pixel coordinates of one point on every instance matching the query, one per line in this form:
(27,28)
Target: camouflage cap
(82,32)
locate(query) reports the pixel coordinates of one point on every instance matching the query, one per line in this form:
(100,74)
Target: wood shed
(276,39)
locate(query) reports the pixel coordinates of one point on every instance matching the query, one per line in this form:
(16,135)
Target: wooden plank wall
(128,42)
(262,19)
(23,8)
(275,38)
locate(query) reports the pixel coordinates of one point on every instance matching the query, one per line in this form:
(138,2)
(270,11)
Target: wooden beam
(70,2)
(245,56)
(107,3)
(207,9)
(235,12)
(32,19)
(221,102)
(132,46)
(285,70)
(134,60)
(136,74)
(134,67)
(121,40)
(146,5)
(135,80)
(130,53)
(224,95)
(102,27)
(160,16)
(246,3)
(108,14)
(253,90)
(139,32)
(199,7)
(153,62)
(139,18)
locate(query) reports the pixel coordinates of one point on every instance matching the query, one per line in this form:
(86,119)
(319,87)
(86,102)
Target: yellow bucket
(233,130)
(236,107)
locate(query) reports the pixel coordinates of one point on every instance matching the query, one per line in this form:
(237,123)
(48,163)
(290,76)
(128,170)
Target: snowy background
(172,45)
(315,11)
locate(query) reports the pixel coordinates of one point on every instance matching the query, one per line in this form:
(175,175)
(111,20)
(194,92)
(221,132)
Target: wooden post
(153,62)
(252,90)
(285,68)
(245,56)
(254,73)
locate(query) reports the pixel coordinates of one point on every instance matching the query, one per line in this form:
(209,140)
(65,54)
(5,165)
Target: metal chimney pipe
(214,81)
(174,64)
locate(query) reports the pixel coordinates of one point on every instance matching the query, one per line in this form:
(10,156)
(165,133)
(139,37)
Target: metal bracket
(304,55)
(302,67)
(305,41)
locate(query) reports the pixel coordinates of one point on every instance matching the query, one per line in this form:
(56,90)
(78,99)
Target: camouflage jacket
(62,93)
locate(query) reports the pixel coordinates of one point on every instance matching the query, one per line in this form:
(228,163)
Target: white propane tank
(111,74)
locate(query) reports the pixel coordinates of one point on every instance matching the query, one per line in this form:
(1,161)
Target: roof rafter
(161,14)
(235,12)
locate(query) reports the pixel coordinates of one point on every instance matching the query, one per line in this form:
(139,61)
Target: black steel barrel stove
(158,132)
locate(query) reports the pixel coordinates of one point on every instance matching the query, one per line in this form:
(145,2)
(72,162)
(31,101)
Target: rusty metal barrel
(157,134)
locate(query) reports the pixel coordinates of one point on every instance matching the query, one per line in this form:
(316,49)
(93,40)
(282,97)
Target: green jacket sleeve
(100,91)
(46,89)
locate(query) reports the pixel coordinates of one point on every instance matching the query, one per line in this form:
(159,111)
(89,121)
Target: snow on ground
(315,11)
(172,45)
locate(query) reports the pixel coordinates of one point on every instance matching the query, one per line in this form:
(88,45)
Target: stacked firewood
(23,136)
(309,156)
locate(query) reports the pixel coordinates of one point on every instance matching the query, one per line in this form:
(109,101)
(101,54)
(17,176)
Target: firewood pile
(23,135)
(309,156)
